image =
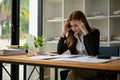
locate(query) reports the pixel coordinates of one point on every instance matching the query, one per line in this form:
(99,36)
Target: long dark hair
(71,40)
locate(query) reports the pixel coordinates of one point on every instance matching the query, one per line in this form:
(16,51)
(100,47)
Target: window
(5,23)
(28,20)
(24,20)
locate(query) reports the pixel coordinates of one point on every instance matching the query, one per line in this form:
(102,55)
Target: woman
(79,38)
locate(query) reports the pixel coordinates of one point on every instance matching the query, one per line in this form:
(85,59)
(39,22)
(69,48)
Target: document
(52,56)
(79,58)
(41,57)
(89,59)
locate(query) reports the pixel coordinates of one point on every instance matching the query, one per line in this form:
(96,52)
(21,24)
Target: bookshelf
(103,14)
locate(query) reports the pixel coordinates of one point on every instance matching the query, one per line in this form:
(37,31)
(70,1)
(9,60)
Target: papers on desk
(52,56)
(78,58)
(89,59)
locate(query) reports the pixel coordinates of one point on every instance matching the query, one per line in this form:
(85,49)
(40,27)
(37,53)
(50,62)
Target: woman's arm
(92,41)
(62,46)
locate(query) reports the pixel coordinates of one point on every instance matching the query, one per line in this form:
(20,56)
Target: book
(8,52)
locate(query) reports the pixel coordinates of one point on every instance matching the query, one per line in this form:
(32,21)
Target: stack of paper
(8,52)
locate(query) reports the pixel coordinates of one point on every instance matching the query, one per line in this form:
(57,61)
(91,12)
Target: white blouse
(80,47)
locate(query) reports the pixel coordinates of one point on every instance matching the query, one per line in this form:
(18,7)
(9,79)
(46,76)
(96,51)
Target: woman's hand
(66,28)
(82,27)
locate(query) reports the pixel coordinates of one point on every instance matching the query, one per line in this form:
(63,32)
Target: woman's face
(75,27)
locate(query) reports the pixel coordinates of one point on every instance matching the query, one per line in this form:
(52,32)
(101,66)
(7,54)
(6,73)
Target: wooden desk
(22,59)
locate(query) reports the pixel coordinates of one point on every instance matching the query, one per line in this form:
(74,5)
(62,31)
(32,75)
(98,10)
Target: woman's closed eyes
(75,25)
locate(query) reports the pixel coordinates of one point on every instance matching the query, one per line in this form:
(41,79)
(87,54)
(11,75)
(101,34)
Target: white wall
(33,17)
(0,30)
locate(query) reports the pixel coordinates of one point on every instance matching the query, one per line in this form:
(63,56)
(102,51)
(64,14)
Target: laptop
(31,47)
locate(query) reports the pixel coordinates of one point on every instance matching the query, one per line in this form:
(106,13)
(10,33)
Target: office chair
(104,50)
(63,74)
(110,51)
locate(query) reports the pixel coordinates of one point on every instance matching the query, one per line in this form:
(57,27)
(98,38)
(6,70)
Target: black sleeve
(92,41)
(62,46)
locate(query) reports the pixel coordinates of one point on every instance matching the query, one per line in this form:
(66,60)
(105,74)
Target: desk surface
(22,59)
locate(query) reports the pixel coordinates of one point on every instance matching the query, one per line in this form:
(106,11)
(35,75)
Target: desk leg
(56,73)
(14,72)
(24,74)
(0,71)
(41,73)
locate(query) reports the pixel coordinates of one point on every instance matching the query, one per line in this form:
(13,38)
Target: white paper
(52,56)
(89,59)
(78,58)
(41,57)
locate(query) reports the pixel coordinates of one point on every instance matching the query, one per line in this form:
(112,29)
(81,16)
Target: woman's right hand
(66,28)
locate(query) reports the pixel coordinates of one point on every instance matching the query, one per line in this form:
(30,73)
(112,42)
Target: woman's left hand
(82,27)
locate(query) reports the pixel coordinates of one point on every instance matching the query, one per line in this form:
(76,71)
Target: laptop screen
(31,46)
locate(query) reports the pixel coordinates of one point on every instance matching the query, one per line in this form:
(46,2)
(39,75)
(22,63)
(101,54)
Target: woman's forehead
(72,21)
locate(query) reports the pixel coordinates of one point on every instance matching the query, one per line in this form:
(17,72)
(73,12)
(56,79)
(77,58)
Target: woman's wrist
(63,34)
(85,32)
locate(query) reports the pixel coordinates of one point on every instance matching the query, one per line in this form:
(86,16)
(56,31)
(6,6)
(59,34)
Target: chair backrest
(109,50)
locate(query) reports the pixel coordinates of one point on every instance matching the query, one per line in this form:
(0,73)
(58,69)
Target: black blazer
(91,41)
